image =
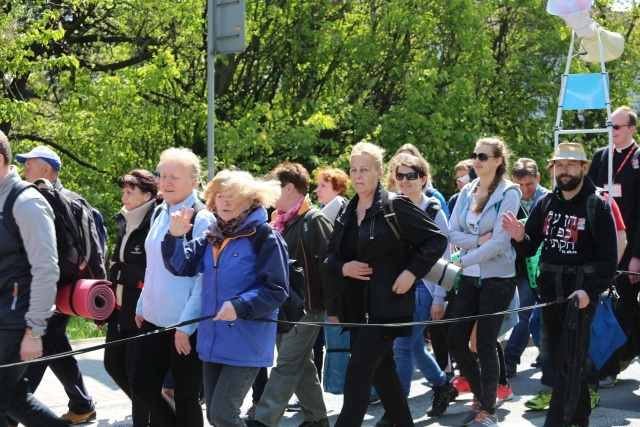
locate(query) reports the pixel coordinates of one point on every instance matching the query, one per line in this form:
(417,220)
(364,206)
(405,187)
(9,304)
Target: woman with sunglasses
(488,274)
(411,176)
(379,279)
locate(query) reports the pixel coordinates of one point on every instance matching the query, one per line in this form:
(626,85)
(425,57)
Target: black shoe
(320,423)
(511,369)
(442,396)
(536,363)
(253,423)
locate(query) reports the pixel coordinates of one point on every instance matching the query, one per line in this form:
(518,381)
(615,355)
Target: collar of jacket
(376,205)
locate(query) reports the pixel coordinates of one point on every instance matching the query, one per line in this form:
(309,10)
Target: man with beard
(626,192)
(573,265)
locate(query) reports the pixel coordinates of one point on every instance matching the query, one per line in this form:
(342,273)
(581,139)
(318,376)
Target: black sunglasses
(480,156)
(616,127)
(411,176)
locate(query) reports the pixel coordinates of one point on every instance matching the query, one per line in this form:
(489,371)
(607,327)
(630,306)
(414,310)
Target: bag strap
(260,236)
(7,210)
(390,215)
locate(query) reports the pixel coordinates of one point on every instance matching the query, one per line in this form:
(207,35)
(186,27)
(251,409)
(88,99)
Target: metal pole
(211,94)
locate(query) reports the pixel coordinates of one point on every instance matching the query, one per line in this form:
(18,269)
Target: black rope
(318,324)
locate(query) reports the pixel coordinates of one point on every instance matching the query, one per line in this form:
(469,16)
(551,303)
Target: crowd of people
(182,255)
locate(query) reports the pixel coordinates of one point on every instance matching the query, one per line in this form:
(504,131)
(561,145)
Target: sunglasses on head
(480,156)
(411,176)
(616,127)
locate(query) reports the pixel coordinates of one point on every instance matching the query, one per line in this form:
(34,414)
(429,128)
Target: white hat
(44,153)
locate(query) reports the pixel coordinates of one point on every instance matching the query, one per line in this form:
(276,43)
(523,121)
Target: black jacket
(568,240)
(129,271)
(629,203)
(379,247)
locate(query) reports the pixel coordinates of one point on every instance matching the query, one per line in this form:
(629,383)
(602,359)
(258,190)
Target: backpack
(292,309)
(80,254)
(197,207)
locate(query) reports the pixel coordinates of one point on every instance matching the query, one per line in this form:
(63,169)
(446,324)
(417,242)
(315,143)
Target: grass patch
(80,328)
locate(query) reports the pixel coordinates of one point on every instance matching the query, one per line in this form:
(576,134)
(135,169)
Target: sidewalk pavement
(619,406)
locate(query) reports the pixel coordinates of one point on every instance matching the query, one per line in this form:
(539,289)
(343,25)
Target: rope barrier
(318,324)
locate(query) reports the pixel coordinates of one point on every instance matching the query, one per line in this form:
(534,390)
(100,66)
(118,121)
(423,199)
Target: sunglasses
(480,156)
(411,176)
(616,127)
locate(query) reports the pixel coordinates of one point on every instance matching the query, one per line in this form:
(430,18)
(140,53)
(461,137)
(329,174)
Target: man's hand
(583,298)
(634,266)
(30,348)
(512,226)
(357,270)
(182,342)
(404,282)
(333,319)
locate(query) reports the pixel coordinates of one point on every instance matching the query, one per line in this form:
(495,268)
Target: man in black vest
(626,193)
(42,162)
(28,277)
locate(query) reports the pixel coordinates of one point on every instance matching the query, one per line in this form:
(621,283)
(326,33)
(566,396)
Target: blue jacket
(256,285)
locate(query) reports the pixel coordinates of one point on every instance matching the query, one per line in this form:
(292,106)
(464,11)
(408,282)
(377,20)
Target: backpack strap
(7,210)
(260,236)
(390,215)
(432,210)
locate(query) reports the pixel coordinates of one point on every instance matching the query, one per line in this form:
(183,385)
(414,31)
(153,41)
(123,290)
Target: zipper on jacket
(366,318)
(15,296)
(306,273)
(372,227)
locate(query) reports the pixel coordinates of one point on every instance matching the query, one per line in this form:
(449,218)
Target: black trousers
(152,358)
(553,319)
(372,363)
(118,362)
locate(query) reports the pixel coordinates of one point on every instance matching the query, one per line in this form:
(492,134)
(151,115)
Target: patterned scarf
(221,229)
(284,218)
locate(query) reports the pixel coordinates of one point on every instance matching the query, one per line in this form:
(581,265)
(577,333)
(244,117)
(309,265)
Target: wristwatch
(32,334)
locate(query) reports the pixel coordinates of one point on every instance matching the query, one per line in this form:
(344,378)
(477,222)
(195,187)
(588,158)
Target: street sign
(228,26)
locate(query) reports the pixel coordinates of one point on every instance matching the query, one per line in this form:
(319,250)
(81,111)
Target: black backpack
(80,254)
(292,309)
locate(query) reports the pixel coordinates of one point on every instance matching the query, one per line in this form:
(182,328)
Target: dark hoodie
(568,239)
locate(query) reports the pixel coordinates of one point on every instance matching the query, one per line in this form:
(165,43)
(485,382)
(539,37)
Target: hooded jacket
(496,257)
(256,285)
(568,239)
(379,247)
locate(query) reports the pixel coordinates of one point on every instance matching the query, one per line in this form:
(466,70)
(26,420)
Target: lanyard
(633,150)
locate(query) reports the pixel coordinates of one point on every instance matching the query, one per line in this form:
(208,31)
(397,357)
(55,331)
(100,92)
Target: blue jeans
(411,350)
(16,398)
(534,326)
(225,387)
(519,338)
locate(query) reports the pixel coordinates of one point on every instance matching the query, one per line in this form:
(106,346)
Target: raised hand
(180,222)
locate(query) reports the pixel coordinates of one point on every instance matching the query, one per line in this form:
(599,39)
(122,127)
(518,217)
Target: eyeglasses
(480,156)
(411,176)
(616,127)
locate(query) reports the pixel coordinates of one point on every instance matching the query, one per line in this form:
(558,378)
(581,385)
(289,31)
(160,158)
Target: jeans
(411,350)
(118,362)
(372,363)
(492,296)
(225,387)
(296,372)
(66,369)
(16,398)
(534,326)
(519,338)
(152,358)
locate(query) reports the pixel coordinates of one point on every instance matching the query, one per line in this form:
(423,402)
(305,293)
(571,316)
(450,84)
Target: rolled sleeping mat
(91,299)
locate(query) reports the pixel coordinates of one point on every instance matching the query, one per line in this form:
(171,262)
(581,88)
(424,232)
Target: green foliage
(109,84)
(80,328)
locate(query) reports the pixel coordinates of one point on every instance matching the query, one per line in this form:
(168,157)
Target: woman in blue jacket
(488,280)
(238,287)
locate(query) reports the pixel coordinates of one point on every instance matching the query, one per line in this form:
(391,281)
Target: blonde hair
(463,165)
(259,192)
(375,152)
(185,158)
